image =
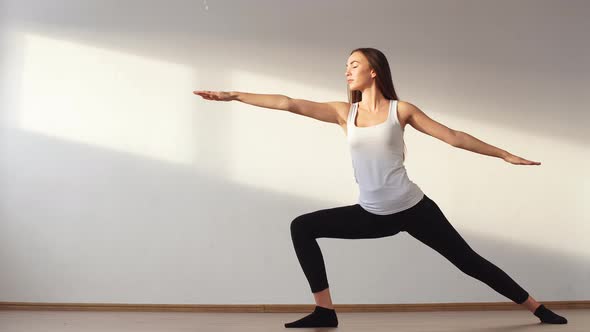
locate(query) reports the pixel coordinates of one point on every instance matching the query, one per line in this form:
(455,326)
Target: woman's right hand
(215,95)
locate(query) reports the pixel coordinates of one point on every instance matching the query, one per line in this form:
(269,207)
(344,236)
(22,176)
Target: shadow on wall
(215,235)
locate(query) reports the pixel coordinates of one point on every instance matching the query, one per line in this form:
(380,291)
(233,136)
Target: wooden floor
(456,321)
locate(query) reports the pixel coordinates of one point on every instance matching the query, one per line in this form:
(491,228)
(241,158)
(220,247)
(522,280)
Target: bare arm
(334,112)
(458,139)
(273,101)
(467,142)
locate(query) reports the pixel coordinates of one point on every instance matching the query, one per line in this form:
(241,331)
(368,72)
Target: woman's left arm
(420,121)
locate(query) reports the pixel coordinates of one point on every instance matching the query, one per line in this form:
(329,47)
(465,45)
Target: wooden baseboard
(241,308)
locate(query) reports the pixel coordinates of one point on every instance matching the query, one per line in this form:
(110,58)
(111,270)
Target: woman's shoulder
(405,109)
(343,108)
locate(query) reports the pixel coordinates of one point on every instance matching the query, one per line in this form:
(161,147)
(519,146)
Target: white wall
(118,185)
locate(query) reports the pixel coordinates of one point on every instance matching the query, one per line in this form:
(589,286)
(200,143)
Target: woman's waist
(385,192)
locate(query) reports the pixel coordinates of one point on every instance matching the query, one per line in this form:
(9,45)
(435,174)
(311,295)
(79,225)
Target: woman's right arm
(333,112)
(277,102)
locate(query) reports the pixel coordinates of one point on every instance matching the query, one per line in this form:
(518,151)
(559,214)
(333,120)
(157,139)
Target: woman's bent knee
(299,224)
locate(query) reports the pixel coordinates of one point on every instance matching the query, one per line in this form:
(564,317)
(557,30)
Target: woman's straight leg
(433,229)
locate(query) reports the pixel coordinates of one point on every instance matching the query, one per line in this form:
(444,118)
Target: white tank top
(377,160)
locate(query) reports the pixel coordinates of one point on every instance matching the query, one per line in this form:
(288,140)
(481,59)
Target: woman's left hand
(519,161)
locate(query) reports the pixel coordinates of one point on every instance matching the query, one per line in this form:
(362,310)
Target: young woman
(389,202)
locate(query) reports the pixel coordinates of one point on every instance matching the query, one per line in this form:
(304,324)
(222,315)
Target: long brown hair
(378,62)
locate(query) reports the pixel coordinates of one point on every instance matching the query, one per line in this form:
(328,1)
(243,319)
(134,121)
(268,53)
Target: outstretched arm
(459,139)
(334,111)
(468,142)
(273,101)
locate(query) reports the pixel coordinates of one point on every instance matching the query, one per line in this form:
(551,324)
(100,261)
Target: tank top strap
(352,113)
(392,116)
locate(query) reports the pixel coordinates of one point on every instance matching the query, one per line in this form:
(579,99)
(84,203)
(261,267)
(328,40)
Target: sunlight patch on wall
(106,98)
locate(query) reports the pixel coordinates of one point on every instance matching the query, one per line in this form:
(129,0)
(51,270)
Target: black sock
(320,317)
(548,316)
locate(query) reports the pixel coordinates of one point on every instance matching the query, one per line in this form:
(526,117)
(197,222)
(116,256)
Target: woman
(389,202)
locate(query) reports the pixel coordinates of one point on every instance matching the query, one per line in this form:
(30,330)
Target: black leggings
(424,221)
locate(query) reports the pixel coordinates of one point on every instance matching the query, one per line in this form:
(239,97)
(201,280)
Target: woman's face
(358,73)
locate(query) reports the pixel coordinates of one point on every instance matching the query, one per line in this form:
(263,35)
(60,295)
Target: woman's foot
(548,316)
(320,317)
